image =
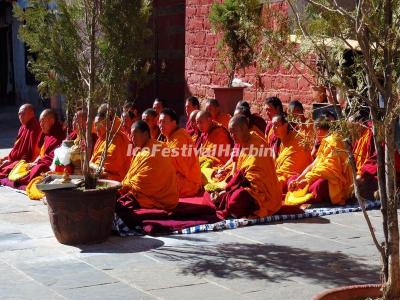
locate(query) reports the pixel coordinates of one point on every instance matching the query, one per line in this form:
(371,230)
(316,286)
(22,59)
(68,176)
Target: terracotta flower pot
(82,216)
(228,97)
(351,292)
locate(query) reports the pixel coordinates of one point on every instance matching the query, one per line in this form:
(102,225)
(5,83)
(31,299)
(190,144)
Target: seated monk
(214,142)
(304,127)
(212,106)
(193,125)
(273,107)
(51,138)
(243,110)
(254,189)
(150,116)
(130,115)
(293,157)
(26,144)
(116,161)
(254,119)
(328,177)
(151,179)
(79,132)
(158,106)
(188,175)
(191,104)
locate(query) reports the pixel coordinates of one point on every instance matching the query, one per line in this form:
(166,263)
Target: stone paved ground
(291,260)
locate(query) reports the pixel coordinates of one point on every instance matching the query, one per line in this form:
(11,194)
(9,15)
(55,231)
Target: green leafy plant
(237,21)
(87,51)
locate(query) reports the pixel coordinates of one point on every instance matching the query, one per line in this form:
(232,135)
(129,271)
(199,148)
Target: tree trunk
(392,285)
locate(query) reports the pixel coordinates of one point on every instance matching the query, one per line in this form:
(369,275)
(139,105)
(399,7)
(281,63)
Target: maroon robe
(49,142)
(25,147)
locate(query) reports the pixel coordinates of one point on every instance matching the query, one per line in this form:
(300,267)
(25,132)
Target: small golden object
(66,178)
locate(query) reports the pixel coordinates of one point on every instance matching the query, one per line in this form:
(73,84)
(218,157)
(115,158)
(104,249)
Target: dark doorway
(6,59)
(168,48)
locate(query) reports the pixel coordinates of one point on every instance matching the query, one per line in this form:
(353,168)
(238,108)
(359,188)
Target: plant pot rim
(349,288)
(228,88)
(112,185)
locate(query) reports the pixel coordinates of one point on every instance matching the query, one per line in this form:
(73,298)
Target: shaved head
(203,121)
(26,113)
(239,129)
(239,120)
(47,119)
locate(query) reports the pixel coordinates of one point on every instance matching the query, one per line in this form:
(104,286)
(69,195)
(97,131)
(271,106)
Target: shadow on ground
(123,245)
(274,263)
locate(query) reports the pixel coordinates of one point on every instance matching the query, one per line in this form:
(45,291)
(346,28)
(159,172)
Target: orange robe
(217,138)
(331,164)
(223,119)
(151,179)
(188,175)
(259,170)
(117,160)
(292,159)
(363,149)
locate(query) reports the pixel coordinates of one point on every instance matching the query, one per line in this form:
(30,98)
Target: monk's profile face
(150,120)
(189,108)
(139,138)
(126,120)
(101,127)
(167,125)
(213,110)
(192,119)
(158,107)
(271,111)
(46,122)
(203,123)
(239,133)
(25,114)
(280,129)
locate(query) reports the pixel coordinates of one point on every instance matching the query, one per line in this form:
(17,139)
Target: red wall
(201,60)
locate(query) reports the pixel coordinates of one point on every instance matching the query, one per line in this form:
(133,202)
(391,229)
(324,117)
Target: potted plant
(87,51)
(237,22)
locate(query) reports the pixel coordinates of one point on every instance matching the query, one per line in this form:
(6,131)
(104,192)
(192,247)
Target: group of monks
(306,161)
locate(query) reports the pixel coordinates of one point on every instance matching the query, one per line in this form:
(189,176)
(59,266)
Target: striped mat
(121,229)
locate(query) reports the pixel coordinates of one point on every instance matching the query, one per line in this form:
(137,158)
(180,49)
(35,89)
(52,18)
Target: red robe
(25,147)
(48,143)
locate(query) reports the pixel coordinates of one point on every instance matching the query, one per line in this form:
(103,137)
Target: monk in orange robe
(51,138)
(243,110)
(255,120)
(192,104)
(254,189)
(116,161)
(151,179)
(187,166)
(130,115)
(213,136)
(213,107)
(303,126)
(150,116)
(273,107)
(26,145)
(293,157)
(328,177)
(194,131)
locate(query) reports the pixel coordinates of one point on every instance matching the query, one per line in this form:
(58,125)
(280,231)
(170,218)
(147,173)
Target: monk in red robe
(26,145)
(191,104)
(194,130)
(213,107)
(254,189)
(51,138)
(129,116)
(243,110)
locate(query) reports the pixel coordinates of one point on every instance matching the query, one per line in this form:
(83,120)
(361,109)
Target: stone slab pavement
(290,260)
